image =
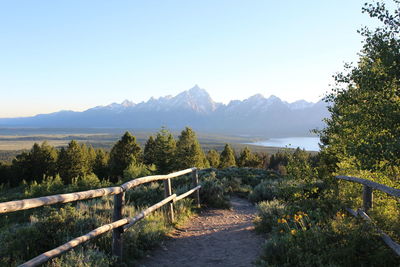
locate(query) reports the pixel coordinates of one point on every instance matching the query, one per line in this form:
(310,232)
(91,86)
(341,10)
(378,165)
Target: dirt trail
(214,238)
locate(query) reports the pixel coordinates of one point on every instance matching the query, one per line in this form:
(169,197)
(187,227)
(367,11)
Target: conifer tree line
(162,154)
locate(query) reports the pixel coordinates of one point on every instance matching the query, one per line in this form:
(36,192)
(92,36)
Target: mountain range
(256,115)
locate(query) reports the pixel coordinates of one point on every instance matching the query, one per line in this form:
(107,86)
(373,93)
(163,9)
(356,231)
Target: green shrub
(82,257)
(145,195)
(266,190)
(268,214)
(136,170)
(342,242)
(49,186)
(24,241)
(87,182)
(212,192)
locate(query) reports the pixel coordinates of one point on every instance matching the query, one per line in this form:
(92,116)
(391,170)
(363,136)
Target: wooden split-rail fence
(119,224)
(367,196)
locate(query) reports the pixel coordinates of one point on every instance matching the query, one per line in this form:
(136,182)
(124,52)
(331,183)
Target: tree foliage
(213,158)
(365,114)
(248,159)
(125,152)
(227,157)
(164,152)
(149,156)
(40,161)
(188,151)
(73,162)
(100,164)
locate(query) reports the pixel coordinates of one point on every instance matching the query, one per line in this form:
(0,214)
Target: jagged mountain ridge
(255,115)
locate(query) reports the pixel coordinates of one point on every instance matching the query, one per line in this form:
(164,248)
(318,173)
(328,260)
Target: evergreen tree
(73,162)
(149,156)
(100,165)
(7,175)
(278,159)
(213,158)
(40,161)
(188,151)
(248,159)
(91,154)
(245,157)
(164,152)
(227,157)
(125,152)
(263,159)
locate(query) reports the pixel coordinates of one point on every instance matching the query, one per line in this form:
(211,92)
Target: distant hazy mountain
(256,115)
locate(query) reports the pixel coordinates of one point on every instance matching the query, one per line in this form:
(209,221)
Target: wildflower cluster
(294,223)
(340,215)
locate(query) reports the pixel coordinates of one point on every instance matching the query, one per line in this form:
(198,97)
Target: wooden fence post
(119,201)
(367,198)
(170,206)
(195,182)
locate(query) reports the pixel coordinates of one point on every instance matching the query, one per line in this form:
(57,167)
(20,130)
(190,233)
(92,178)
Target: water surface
(307,143)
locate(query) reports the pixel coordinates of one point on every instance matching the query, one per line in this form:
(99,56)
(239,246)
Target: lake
(307,143)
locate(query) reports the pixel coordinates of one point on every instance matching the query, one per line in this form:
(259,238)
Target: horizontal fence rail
(388,190)
(25,204)
(367,196)
(119,224)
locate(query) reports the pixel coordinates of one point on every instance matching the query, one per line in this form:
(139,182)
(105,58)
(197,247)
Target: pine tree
(73,162)
(40,161)
(125,152)
(248,159)
(149,151)
(91,154)
(244,157)
(100,165)
(213,158)
(188,151)
(227,157)
(278,159)
(164,152)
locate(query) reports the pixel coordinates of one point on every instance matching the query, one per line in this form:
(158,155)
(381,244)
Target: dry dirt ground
(215,237)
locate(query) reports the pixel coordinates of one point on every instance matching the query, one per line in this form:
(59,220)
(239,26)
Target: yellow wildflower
(297,217)
(293,232)
(340,214)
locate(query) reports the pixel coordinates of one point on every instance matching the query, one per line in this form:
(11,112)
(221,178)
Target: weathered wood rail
(119,224)
(367,196)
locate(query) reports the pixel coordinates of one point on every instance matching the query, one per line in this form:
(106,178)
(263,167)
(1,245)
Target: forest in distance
(161,153)
(14,141)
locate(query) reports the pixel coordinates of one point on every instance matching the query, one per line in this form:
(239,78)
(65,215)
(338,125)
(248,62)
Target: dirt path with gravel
(215,237)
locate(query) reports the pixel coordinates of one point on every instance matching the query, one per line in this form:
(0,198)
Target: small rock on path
(214,238)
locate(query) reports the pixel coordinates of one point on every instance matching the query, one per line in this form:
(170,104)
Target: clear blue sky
(58,55)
